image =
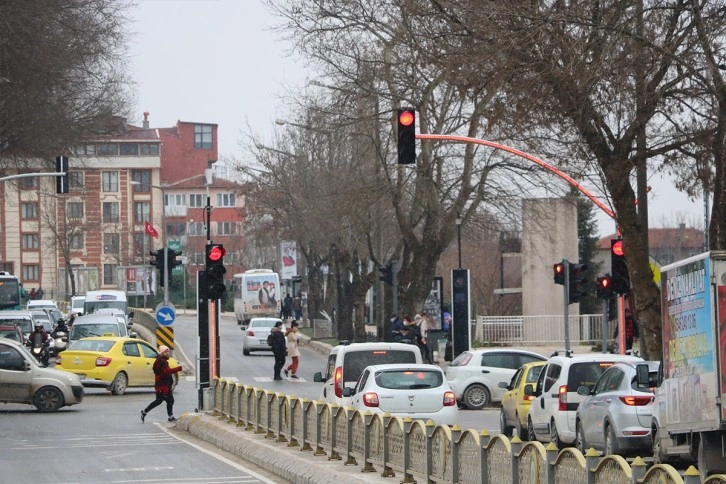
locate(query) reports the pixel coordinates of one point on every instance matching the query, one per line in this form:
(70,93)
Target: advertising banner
(288,259)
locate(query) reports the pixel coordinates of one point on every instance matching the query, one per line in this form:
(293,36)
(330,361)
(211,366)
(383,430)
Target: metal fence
(418,450)
(525,330)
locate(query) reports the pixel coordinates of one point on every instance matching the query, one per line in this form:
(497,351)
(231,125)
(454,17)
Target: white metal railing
(524,330)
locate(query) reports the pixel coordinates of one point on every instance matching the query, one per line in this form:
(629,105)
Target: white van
(96,325)
(346,363)
(105,299)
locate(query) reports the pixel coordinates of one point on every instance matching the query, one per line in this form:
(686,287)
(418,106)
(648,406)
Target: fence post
(407,424)
(692,476)
(294,402)
(430,427)
(334,415)
(306,403)
(515,450)
(367,466)
(281,399)
(259,397)
(592,457)
(268,421)
(552,452)
(639,468)
(319,408)
(455,437)
(387,470)
(484,439)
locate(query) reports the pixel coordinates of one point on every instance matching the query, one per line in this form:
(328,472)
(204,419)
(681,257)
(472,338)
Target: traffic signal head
(578,282)
(406,136)
(172,259)
(61,182)
(215,270)
(157,260)
(559,273)
(386,274)
(604,287)
(619,267)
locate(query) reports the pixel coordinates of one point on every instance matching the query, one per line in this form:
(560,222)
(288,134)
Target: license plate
(263,341)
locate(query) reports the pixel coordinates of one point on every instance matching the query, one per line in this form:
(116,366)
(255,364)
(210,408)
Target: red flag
(150,230)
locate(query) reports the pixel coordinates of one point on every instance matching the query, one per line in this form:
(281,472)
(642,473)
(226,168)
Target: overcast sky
(216,61)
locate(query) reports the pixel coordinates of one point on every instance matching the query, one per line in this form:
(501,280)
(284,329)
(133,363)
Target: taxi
(515,404)
(112,362)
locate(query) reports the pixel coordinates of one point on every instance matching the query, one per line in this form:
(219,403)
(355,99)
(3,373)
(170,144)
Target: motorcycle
(39,349)
(61,341)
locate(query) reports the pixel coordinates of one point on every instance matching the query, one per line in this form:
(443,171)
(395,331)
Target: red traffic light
(617,248)
(559,268)
(216,253)
(406,118)
(604,282)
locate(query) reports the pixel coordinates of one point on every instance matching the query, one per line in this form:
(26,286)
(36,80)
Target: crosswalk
(264,379)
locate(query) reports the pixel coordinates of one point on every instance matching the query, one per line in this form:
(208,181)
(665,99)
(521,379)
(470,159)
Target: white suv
(554,407)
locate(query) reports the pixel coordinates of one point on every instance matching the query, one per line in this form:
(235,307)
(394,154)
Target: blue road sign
(165,315)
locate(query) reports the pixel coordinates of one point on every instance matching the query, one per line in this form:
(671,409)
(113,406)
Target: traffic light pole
(566,301)
(605,312)
(166,273)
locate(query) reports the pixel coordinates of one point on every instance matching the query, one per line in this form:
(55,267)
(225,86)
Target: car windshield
(84,330)
(356,361)
(263,323)
(10,334)
(25,325)
(92,345)
(409,379)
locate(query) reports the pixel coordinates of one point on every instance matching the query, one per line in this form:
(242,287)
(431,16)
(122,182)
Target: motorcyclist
(60,326)
(38,330)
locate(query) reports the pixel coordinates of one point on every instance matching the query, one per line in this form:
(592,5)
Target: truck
(689,416)
(256,293)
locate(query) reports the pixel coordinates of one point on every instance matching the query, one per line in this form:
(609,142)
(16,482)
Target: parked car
(255,337)
(23,380)
(12,332)
(615,415)
(111,362)
(346,363)
(515,404)
(552,413)
(475,375)
(405,390)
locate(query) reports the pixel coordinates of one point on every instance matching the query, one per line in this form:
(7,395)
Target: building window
(109,274)
(85,150)
(74,210)
(110,243)
(202,136)
(171,202)
(142,179)
(30,241)
(110,181)
(142,244)
(75,179)
(7,267)
(141,212)
(196,229)
(225,199)
(30,272)
(129,149)
(107,149)
(226,228)
(77,242)
(176,229)
(29,210)
(196,200)
(151,149)
(29,182)
(110,212)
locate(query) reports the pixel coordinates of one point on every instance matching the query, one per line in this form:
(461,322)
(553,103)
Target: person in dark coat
(163,383)
(279,349)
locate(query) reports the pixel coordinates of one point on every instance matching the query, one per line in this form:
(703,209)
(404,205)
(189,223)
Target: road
(256,369)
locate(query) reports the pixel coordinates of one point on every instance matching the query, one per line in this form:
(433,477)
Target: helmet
(38,326)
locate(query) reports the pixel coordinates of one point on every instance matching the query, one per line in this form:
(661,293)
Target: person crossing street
(163,384)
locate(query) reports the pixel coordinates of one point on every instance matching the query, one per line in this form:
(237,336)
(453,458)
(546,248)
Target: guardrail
(419,450)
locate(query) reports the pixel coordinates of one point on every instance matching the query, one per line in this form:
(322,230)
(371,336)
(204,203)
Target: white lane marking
(217,456)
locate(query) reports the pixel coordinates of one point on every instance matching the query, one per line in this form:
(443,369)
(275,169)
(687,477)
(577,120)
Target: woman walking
(293,338)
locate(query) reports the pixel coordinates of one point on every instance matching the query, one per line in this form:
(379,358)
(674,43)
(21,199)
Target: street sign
(165,315)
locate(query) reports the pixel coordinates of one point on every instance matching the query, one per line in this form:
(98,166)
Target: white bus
(105,299)
(256,292)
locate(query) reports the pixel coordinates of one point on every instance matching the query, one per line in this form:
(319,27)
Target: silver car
(255,338)
(615,416)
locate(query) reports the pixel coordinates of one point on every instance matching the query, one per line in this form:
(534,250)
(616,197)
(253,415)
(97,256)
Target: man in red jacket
(163,384)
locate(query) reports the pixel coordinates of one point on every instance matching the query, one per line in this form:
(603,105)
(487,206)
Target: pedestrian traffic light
(406,136)
(619,267)
(215,270)
(61,182)
(559,272)
(578,282)
(604,287)
(158,262)
(172,259)
(386,274)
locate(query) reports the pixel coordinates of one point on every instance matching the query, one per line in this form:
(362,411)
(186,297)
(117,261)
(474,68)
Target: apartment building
(123,181)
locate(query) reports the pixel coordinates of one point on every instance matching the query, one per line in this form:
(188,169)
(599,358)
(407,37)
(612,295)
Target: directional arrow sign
(165,315)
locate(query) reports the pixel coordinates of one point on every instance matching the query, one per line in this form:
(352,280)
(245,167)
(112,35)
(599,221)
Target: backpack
(269,339)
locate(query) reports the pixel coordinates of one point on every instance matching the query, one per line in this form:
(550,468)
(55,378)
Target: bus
(105,299)
(256,293)
(10,292)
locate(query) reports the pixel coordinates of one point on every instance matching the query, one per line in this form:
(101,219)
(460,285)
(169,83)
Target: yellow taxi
(515,404)
(111,362)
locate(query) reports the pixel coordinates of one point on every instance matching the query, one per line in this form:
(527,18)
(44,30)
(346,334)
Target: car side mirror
(348,392)
(318,377)
(503,384)
(529,390)
(133,334)
(584,390)
(131,314)
(642,375)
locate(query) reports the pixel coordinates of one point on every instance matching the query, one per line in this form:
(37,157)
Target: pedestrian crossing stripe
(165,336)
(262,379)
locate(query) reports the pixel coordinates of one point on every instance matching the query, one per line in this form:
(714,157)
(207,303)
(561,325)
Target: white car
(405,390)
(255,337)
(553,412)
(475,375)
(42,304)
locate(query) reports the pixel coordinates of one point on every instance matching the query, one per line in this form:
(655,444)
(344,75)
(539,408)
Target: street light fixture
(459,220)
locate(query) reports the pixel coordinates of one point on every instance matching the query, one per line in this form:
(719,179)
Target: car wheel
(48,399)
(245,352)
(611,442)
(120,383)
(520,430)
(476,397)
(505,429)
(555,436)
(580,442)
(530,430)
